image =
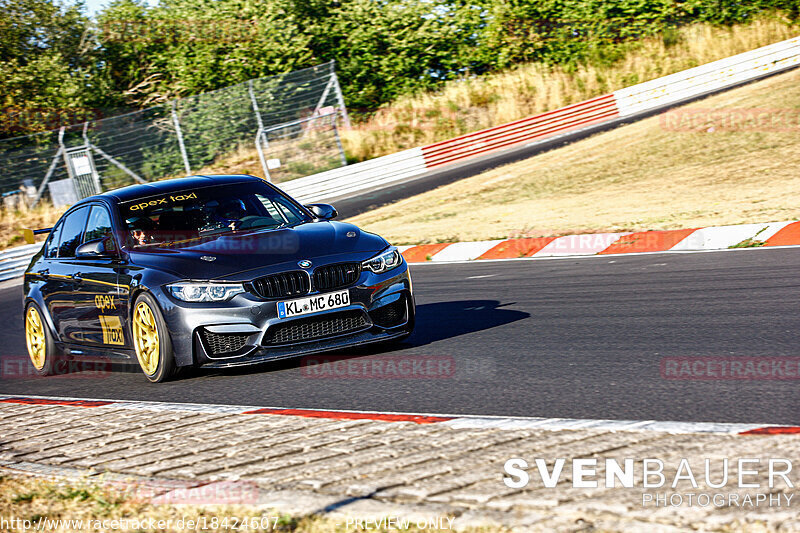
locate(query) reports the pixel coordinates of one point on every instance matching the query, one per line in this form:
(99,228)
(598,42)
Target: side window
(71,232)
(99,227)
(51,248)
(99,224)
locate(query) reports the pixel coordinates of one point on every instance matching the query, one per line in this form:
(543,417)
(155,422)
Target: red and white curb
(763,235)
(453,421)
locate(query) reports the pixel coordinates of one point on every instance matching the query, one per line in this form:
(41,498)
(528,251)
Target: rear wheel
(151,340)
(41,346)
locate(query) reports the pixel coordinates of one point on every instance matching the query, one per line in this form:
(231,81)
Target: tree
(184,47)
(47,65)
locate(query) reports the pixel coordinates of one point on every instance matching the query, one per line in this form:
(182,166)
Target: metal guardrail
(14,261)
(711,77)
(351,179)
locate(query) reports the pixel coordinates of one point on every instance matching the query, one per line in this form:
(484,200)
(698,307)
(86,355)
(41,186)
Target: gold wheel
(35,338)
(145,338)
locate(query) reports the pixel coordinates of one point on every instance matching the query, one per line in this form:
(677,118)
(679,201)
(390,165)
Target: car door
(97,292)
(59,291)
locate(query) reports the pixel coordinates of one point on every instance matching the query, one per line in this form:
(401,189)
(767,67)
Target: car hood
(242,256)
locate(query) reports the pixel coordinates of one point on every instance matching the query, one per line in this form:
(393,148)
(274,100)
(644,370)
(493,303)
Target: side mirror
(95,248)
(323,211)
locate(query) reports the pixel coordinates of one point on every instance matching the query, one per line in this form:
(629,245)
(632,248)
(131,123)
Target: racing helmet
(232,209)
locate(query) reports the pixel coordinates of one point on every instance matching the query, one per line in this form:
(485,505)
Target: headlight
(201,291)
(384,262)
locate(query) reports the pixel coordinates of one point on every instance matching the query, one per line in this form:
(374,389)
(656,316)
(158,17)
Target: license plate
(313,304)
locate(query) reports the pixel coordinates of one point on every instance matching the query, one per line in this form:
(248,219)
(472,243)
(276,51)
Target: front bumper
(245,330)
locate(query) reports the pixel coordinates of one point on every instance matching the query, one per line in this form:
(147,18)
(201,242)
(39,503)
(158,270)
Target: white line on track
(604,256)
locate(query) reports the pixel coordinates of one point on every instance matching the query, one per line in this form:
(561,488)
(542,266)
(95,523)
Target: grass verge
(654,174)
(12,221)
(84,506)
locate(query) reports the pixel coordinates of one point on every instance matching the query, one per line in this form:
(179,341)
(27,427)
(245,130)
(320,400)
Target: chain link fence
(290,120)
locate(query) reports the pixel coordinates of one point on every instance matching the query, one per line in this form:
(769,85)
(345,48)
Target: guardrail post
(260,134)
(179,134)
(95,176)
(260,148)
(339,140)
(339,96)
(64,153)
(52,167)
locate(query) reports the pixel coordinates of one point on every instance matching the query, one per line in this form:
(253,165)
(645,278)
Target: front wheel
(41,346)
(151,340)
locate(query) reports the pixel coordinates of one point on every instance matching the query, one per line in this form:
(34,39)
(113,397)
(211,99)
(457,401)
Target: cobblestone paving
(362,467)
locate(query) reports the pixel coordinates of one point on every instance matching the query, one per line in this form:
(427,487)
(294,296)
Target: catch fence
(292,119)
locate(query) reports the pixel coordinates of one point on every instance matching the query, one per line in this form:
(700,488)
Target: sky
(94,6)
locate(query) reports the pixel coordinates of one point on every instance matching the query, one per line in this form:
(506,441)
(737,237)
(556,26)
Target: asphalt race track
(576,338)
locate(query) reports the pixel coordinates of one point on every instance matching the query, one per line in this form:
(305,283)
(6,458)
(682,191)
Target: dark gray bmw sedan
(209,270)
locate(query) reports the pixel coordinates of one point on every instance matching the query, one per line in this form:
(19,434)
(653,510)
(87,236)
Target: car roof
(144,190)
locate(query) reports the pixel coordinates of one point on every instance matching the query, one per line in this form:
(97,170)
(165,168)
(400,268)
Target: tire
(41,345)
(151,340)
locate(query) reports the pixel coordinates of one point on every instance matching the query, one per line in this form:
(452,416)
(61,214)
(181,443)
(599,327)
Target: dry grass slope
(473,104)
(641,176)
(43,215)
(476,103)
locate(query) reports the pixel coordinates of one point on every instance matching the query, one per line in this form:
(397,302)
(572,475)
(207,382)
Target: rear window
(207,211)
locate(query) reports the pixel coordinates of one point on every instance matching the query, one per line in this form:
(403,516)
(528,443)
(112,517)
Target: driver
(230,213)
(142,229)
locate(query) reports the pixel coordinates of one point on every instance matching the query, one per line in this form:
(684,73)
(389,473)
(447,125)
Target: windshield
(207,211)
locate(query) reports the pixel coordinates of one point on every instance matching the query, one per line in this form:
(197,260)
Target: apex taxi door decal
(112,329)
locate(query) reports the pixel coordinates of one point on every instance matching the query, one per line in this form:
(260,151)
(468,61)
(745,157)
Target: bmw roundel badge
(305,263)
